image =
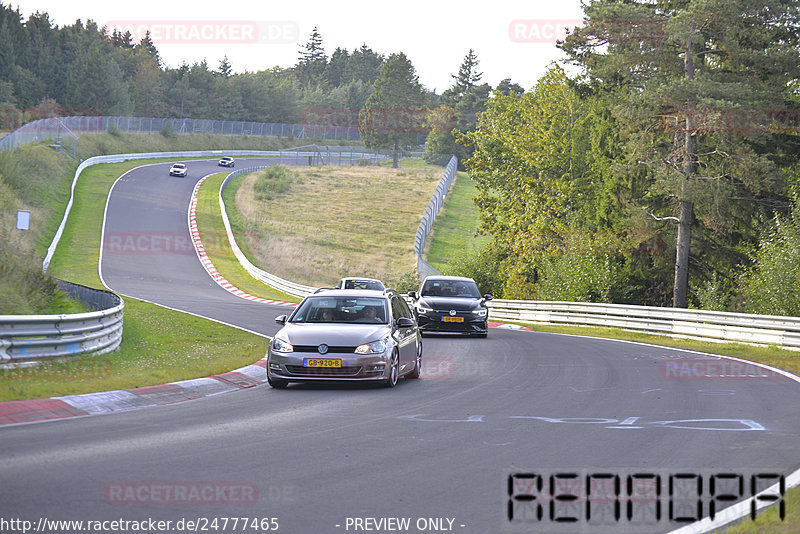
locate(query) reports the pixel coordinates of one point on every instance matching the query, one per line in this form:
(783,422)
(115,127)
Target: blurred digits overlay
(608,31)
(717,369)
(733,121)
(208,31)
(385,120)
(64,369)
(446,367)
(596,242)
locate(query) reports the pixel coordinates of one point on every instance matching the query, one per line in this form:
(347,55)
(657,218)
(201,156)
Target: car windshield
(451,288)
(330,309)
(179,165)
(363,284)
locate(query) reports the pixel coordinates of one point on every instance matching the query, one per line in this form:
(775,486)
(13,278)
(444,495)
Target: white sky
(435,35)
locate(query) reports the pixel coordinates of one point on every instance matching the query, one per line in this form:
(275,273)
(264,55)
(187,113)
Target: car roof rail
(323,289)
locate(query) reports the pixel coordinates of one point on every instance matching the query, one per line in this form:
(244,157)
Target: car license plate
(321,362)
(449,319)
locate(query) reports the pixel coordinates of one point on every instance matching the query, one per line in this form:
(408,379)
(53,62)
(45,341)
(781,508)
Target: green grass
(453,233)
(333,221)
(768,520)
(124,143)
(216,244)
(158,345)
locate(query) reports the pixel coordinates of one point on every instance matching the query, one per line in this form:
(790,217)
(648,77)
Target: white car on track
(178,169)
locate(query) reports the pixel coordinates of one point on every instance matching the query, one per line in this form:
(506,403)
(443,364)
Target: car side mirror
(413,295)
(281,319)
(404,322)
(487,297)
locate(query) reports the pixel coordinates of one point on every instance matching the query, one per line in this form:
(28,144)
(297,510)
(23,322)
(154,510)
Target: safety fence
(707,325)
(429,217)
(55,129)
(31,338)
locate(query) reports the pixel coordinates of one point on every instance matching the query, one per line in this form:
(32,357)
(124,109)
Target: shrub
(272,182)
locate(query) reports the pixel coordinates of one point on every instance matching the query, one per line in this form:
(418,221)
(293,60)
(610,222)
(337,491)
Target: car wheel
(277,383)
(418,364)
(394,370)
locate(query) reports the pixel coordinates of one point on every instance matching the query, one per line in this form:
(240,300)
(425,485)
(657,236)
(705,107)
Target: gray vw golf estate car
(346,335)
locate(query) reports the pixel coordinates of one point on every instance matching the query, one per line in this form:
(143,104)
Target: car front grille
(299,370)
(331,349)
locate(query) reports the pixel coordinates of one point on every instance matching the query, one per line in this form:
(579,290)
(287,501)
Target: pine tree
(392,116)
(684,70)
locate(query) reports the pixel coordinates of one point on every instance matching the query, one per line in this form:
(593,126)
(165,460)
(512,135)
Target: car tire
(277,383)
(394,371)
(418,364)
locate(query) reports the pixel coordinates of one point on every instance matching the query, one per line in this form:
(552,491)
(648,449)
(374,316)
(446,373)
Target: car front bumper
(355,367)
(435,322)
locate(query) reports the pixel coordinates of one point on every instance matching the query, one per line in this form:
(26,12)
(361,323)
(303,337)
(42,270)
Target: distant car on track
(451,304)
(178,169)
(346,335)
(360,283)
(227,162)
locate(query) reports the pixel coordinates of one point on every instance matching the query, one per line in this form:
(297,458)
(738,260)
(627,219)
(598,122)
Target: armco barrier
(27,338)
(290,288)
(426,224)
(676,322)
(116,158)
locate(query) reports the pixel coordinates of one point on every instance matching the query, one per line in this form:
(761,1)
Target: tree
(467,77)
(363,64)
(506,86)
(225,68)
(392,116)
(311,65)
(684,69)
(96,83)
(149,47)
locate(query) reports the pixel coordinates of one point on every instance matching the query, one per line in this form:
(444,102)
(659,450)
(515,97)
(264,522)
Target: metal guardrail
(290,288)
(676,322)
(55,128)
(31,338)
(426,224)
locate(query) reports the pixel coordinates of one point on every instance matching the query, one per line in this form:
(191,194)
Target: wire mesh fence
(64,130)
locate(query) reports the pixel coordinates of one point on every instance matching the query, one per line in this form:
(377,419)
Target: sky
(513,39)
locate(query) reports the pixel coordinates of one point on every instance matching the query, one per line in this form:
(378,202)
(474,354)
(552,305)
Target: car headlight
(480,312)
(423,310)
(279,345)
(376,347)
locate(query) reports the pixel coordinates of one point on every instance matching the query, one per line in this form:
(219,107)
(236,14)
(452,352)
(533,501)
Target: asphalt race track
(435,452)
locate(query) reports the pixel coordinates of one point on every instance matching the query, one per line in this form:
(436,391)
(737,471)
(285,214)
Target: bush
(272,182)
(167,130)
(404,283)
(772,285)
(484,266)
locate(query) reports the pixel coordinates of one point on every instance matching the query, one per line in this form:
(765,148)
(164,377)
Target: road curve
(436,451)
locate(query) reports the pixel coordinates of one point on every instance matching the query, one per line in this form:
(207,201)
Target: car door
(404,336)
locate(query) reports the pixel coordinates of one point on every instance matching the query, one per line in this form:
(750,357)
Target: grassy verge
(158,345)
(453,232)
(215,241)
(769,520)
(315,225)
(123,143)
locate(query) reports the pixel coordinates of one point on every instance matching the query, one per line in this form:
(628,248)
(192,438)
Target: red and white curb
(206,261)
(35,410)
